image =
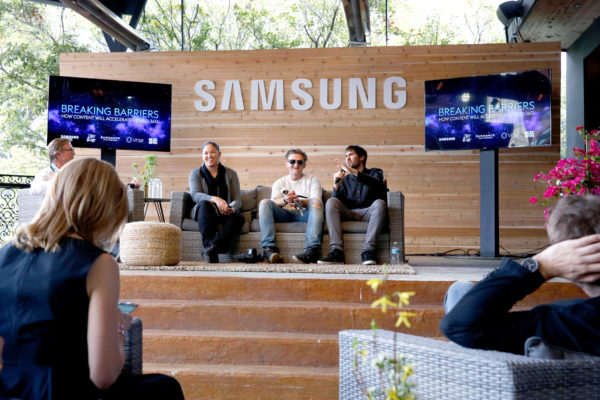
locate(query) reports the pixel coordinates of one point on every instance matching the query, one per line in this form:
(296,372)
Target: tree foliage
(30,46)
(33,35)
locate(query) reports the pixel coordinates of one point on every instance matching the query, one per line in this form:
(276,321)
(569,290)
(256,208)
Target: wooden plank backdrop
(441,188)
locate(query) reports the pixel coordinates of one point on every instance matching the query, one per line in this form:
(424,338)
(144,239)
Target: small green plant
(147,173)
(393,370)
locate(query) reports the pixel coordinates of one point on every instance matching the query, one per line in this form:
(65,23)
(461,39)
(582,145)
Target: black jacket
(481,319)
(362,190)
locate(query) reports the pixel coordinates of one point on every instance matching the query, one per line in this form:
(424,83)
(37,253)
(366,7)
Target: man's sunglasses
(293,162)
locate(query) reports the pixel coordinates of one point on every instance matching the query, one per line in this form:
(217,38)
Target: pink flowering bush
(574,176)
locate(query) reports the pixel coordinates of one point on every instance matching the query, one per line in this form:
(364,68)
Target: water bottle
(395,254)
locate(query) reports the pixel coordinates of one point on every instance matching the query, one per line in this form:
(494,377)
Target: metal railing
(9,209)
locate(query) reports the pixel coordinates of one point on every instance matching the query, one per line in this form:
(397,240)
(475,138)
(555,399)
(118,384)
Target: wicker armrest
(396,219)
(136,205)
(181,204)
(444,370)
(133,348)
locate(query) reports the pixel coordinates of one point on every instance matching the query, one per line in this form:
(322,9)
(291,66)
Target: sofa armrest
(181,204)
(396,218)
(136,205)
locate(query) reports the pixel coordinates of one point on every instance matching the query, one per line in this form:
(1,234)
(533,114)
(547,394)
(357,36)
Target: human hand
(338,177)
(124,320)
(221,205)
(577,260)
(346,167)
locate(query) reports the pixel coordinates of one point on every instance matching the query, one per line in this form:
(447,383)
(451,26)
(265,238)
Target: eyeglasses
(293,162)
(70,149)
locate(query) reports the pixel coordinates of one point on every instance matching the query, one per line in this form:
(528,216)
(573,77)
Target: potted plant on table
(146,173)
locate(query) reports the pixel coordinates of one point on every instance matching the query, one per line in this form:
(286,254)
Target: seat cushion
(150,243)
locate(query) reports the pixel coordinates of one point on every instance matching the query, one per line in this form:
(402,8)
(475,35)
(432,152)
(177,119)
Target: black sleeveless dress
(43,320)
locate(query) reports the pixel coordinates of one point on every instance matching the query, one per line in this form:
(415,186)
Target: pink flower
(533,200)
(578,127)
(594,132)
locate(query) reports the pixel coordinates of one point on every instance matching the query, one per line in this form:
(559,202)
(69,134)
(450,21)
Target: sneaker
(271,254)
(211,256)
(309,256)
(336,256)
(368,257)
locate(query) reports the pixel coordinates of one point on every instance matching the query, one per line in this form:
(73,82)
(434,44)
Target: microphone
(338,179)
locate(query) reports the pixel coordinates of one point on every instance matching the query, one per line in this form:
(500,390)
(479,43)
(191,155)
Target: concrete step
(283,316)
(251,382)
(240,348)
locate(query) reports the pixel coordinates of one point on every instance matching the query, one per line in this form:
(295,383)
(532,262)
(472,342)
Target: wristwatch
(530,264)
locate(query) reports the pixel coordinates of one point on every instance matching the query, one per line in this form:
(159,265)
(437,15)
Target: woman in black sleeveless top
(59,289)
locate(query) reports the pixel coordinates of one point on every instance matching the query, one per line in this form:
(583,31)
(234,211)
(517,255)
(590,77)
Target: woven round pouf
(150,243)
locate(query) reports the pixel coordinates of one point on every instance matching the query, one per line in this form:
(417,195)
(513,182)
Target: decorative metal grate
(9,209)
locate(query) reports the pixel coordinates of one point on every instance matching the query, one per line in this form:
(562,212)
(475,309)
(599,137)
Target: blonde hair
(87,199)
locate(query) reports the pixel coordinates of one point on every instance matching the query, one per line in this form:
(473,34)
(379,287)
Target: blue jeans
(455,292)
(269,213)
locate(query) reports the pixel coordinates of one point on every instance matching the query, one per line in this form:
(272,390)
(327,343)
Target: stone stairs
(267,336)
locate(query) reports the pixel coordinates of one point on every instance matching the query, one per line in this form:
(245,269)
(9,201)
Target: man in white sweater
(60,152)
(294,198)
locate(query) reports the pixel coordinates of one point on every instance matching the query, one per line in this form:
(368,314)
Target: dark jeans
(209,220)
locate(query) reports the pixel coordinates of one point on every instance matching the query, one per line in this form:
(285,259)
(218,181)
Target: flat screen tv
(110,114)
(511,109)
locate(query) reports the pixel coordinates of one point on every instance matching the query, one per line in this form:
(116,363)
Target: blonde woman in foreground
(59,289)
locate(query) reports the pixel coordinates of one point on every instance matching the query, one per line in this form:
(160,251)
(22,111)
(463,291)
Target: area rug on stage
(265,267)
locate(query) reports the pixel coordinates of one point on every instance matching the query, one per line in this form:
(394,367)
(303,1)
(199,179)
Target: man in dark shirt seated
(479,314)
(359,194)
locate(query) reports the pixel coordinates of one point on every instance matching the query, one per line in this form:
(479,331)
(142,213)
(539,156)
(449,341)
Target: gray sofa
(290,236)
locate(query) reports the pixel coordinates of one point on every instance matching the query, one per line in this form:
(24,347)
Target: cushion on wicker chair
(150,243)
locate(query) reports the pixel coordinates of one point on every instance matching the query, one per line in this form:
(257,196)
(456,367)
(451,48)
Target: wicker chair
(444,370)
(290,236)
(133,348)
(29,204)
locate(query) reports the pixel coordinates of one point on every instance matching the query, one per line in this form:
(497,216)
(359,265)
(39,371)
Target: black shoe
(368,257)
(271,254)
(309,256)
(335,256)
(211,256)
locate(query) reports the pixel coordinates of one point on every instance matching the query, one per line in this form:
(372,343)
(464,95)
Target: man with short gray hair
(60,152)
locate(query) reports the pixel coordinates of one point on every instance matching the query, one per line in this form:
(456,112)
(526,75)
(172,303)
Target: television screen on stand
(109,114)
(511,109)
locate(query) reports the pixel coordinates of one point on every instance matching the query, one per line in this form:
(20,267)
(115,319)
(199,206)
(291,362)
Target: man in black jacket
(479,314)
(359,194)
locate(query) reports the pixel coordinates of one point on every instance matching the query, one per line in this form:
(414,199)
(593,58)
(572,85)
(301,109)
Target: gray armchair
(444,370)
(29,204)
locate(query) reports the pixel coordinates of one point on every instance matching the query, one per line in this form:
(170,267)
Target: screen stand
(109,155)
(489,233)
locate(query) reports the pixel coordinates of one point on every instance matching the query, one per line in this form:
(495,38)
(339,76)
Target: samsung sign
(272,98)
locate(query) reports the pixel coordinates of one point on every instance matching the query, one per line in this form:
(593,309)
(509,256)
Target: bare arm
(105,341)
